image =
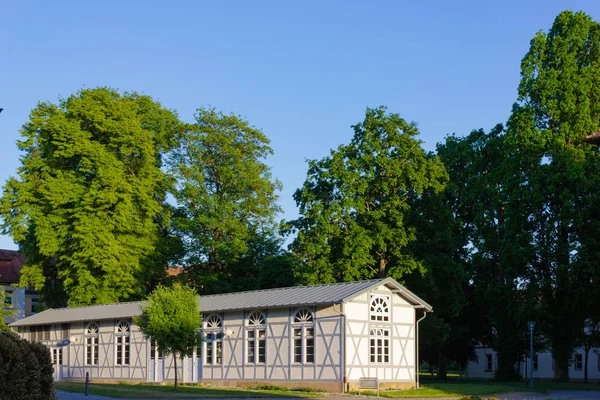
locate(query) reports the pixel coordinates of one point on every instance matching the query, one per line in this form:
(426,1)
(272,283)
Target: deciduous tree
(224,191)
(84,207)
(354,203)
(171,318)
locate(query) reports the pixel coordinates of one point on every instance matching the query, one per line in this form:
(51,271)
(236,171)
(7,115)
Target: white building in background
(486,365)
(312,336)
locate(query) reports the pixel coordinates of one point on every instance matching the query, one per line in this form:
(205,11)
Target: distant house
(486,364)
(312,336)
(23,301)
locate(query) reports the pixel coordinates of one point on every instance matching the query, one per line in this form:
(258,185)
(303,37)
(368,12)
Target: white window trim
(305,324)
(124,344)
(378,301)
(256,324)
(382,342)
(213,334)
(93,336)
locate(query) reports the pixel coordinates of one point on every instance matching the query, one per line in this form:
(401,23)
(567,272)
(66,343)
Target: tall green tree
(225,193)
(444,229)
(85,205)
(171,318)
(558,106)
(354,203)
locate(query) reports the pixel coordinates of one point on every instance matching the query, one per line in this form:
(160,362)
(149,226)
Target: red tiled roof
(593,138)
(174,271)
(11,263)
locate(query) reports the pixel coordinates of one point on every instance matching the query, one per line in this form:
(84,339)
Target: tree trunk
(585,371)
(382,267)
(175,363)
(442,367)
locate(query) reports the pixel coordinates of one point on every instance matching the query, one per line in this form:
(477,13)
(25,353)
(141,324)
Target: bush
(25,369)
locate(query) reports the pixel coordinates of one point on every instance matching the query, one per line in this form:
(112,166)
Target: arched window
(256,338)
(304,336)
(91,343)
(213,340)
(380,310)
(122,345)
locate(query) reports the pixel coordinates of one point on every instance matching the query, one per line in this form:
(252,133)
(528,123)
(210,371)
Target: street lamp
(531,325)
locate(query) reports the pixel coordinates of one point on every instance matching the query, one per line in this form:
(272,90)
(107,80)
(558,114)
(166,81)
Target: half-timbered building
(312,336)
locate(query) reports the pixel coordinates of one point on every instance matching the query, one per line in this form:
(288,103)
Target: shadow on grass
(147,391)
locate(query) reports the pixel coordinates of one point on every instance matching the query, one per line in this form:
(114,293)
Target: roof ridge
(293,287)
(100,305)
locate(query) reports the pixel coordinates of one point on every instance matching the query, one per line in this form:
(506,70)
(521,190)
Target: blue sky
(301,71)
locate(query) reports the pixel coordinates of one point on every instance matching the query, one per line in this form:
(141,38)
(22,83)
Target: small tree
(171,318)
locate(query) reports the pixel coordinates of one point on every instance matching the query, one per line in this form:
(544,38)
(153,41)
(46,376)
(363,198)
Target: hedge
(26,370)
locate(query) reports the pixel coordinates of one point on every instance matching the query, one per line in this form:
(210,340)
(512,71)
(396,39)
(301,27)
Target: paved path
(560,394)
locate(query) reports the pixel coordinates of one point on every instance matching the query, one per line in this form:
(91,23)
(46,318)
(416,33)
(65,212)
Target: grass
(431,388)
(144,391)
(464,387)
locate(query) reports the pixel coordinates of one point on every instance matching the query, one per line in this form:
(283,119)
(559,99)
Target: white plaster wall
(475,369)
(402,339)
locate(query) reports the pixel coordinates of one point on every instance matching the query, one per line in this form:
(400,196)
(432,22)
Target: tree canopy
(225,194)
(354,203)
(85,204)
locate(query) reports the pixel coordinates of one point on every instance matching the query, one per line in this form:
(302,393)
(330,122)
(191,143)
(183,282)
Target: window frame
(303,343)
(91,336)
(122,343)
(213,340)
(380,345)
(489,362)
(578,360)
(380,308)
(256,345)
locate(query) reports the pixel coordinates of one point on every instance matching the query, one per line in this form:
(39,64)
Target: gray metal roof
(270,298)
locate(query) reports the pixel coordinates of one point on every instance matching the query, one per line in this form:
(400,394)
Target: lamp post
(531,325)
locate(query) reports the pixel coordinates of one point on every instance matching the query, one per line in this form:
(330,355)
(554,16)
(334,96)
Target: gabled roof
(270,298)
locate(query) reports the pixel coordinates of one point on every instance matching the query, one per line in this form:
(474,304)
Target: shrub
(25,369)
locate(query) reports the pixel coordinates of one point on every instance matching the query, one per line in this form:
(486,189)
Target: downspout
(417,349)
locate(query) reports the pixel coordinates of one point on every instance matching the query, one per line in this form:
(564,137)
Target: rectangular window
(251,347)
(122,350)
(256,340)
(57,356)
(219,352)
(578,362)
(91,353)
(154,353)
(262,348)
(310,345)
(8,298)
(209,352)
(32,333)
(46,332)
(488,363)
(65,331)
(379,346)
(304,345)
(535,362)
(34,304)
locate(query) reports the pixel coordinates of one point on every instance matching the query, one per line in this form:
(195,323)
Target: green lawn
(141,391)
(453,388)
(464,387)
